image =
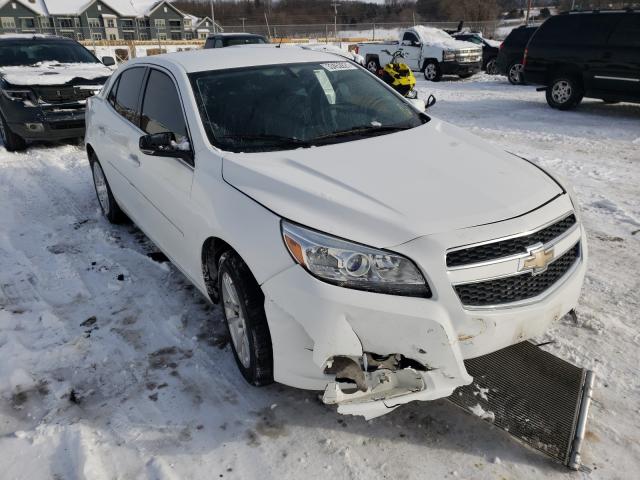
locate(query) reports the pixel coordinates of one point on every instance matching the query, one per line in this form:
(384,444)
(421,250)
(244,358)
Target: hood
(441,39)
(54,73)
(387,190)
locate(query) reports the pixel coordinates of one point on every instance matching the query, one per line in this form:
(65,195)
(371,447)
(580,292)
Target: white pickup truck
(429,50)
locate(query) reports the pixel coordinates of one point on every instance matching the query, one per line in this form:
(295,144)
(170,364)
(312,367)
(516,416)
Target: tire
(373,65)
(432,71)
(491,67)
(243,310)
(564,93)
(514,73)
(12,142)
(107,201)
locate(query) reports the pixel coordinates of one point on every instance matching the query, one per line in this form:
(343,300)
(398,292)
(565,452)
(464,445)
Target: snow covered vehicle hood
(387,190)
(441,39)
(53,73)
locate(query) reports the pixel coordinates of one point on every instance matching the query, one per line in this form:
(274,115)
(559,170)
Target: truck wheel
(108,204)
(372,65)
(491,68)
(12,142)
(564,93)
(514,73)
(243,309)
(432,71)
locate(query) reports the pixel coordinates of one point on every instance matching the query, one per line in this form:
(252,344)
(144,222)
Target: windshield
(280,107)
(30,52)
(250,40)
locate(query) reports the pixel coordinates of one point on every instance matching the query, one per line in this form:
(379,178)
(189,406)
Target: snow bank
(53,73)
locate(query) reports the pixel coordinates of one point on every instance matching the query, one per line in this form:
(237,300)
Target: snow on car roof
(224,58)
(440,38)
(27,36)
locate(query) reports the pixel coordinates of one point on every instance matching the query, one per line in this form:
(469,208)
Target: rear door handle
(134,158)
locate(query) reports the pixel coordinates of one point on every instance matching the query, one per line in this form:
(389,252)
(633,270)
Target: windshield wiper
(279,140)
(363,129)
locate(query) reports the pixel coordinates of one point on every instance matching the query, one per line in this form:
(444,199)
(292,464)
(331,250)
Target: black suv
(45,82)
(586,54)
(221,40)
(509,61)
(490,49)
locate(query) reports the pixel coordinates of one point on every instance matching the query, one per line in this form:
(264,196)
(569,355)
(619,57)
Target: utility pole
(528,11)
(335,6)
(243,19)
(213,17)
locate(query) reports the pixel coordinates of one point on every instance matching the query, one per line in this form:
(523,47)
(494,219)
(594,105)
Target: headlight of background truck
(448,56)
(352,265)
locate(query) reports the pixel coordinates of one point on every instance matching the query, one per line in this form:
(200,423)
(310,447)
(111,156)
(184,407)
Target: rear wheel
(514,73)
(491,68)
(243,308)
(12,142)
(432,71)
(372,65)
(108,204)
(564,93)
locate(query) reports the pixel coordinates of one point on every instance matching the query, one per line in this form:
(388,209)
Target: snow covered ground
(112,366)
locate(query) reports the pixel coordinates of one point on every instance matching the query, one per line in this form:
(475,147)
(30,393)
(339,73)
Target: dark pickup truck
(45,82)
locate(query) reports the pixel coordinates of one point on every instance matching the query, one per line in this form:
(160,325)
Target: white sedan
(357,245)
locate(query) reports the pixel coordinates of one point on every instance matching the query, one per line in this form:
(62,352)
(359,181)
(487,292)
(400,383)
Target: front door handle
(134,158)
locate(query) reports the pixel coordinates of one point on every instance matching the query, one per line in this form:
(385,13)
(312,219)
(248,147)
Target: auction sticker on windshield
(337,66)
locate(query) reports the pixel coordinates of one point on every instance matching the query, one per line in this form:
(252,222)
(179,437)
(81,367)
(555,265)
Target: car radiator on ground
(533,395)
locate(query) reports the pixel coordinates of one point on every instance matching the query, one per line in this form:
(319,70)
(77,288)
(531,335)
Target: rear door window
(627,33)
(128,94)
(578,29)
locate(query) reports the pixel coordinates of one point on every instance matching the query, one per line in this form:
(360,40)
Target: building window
(8,22)
(94,23)
(127,24)
(188,36)
(65,23)
(144,36)
(162,36)
(112,36)
(99,7)
(187,22)
(111,23)
(129,36)
(176,36)
(202,35)
(159,23)
(13,5)
(96,36)
(28,23)
(174,24)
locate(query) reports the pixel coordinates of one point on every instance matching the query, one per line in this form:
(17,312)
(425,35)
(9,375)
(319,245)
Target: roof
(225,58)
(38,6)
(126,8)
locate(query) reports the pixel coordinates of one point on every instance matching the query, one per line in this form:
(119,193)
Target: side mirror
(431,101)
(417,44)
(165,145)
(108,61)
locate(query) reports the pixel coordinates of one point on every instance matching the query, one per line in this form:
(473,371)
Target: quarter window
(127,95)
(161,108)
(628,32)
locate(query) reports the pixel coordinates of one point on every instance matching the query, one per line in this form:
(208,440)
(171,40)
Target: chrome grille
(508,247)
(517,287)
(63,94)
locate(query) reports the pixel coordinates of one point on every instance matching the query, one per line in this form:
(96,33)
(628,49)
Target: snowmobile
(398,75)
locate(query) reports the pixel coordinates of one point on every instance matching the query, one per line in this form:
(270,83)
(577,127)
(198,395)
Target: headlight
(448,55)
(20,95)
(352,265)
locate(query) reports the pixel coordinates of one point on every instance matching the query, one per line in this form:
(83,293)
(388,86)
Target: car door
(165,182)
(623,48)
(412,48)
(118,135)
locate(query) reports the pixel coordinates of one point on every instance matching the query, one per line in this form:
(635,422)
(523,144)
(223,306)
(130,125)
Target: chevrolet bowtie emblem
(538,260)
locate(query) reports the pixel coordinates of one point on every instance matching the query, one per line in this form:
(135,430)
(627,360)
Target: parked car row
(573,55)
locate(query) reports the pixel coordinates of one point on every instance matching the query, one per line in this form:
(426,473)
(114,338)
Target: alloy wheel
(430,71)
(235,320)
(372,66)
(101,187)
(491,68)
(515,73)
(561,92)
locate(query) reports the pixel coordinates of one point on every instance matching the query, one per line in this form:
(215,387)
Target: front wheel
(12,142)
(243,308)
(372,65)
(108,204)
(564,93)
(432,71)
(514,73)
